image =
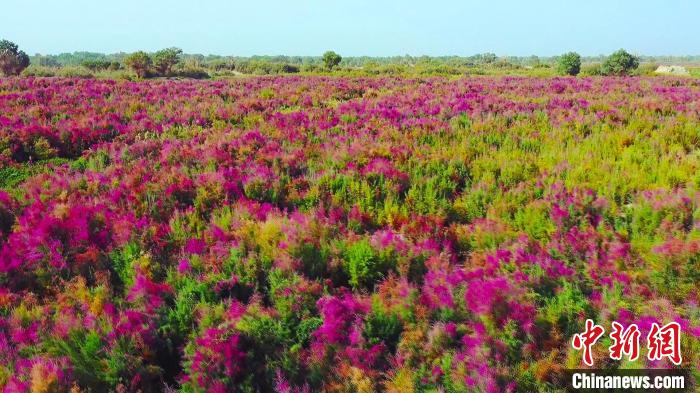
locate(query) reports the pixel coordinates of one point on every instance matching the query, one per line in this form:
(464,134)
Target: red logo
(625,342)
(665,342)
(587,339)
(662,342)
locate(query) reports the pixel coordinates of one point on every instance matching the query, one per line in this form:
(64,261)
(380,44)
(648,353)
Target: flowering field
(299,234)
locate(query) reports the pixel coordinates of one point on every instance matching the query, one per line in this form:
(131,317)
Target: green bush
(281,295)
(12,60)
(620,63)
(591,70)
(331,59)
(364,265)
(310,68)
(165,59)
(569,64)
(192,73)
(383,327)
(290,69)
(314,259)
(12,176)
(99,368)
(120,74)
(646,69)
(39,71)
(96,65)
(180,319)
(74,72)
(86,353)
(139,62)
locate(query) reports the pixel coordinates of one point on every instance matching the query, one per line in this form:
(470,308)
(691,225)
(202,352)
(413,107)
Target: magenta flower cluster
(302,234)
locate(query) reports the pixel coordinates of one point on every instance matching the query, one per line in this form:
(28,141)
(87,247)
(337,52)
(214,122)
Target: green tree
(45,61)
(12,60)
(165,59)
(569,64)
(140,62)
(620,63)
(331,59)
(486,58)
(96,65)
(533,61)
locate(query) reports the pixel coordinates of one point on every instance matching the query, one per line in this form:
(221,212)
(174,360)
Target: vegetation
(101,65)
(331,59)
(112,66)
(12,60)
(164,60)
(140,62)
(569,64)
(620,63)
(341,234)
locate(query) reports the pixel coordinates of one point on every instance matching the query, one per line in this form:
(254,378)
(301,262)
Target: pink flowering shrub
(303,234)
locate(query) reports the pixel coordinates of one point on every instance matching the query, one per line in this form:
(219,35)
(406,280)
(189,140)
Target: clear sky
(353,28)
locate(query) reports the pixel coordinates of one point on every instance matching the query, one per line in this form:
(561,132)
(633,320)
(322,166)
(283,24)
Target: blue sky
(352,28)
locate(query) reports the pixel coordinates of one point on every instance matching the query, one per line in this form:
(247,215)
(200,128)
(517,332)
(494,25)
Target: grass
(12,177)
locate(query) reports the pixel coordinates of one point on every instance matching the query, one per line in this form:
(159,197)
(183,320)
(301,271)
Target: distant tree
(620,63)
(533,61)
(12,60)
(140,62)
(96,65)
(164,60)
(569,64)
(290,68)
(114,65)
(488,58)
(45,61)
(331,59)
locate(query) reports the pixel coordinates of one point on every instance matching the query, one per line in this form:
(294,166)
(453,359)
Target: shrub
(7,217)
(115,75)
(620,63)
(140,62)
(221,65)
(202,236)
(164,60)
(591,70)
(647,69)
(46,61)
(39,71)
(193,73)
(290,68)
(96,65)
(364,265)
(310,68)
(331,59)
(74,72)
(12,60)
(383,327)
(85,351)
(569,64)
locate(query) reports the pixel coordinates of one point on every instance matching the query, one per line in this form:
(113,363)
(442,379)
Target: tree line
(172,62)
